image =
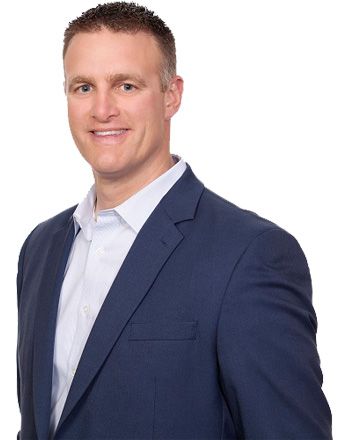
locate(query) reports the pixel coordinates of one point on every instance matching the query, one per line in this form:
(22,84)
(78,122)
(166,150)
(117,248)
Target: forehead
(107,50)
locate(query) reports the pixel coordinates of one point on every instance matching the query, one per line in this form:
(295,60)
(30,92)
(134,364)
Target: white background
(263,123)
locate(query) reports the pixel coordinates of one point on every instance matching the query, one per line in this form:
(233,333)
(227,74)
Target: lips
(109,132)
(102,133)
(112,136)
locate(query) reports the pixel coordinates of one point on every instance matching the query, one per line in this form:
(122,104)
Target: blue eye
(127,87)
(85,88)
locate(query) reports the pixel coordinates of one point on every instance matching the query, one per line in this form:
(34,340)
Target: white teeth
(109,133)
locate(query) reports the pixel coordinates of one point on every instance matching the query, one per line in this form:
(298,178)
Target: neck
(111,193)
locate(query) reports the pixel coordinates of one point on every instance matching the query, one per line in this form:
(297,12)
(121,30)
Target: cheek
(76,113)
(150,114)
(150,106)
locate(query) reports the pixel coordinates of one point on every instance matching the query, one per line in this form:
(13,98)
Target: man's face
(119,117)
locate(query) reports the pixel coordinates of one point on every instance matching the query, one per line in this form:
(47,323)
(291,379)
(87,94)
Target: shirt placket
(92,283)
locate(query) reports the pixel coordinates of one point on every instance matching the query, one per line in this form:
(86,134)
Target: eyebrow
(112,78)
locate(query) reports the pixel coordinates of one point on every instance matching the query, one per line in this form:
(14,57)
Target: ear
(172,96)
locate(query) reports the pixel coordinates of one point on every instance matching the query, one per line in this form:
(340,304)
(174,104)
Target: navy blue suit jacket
(208,331)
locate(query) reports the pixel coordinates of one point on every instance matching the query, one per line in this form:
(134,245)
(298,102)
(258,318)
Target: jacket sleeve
(19,282)
(269,365)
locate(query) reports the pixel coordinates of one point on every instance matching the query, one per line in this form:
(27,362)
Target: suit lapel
(152,247)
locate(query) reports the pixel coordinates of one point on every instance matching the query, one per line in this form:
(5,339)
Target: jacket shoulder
(234,229)
(52,224)
(231,219)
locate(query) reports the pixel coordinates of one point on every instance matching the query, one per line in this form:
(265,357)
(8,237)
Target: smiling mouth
(109,132)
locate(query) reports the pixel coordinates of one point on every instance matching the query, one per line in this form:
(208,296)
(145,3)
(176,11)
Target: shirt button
(73,371)
(100,251)
(86,309)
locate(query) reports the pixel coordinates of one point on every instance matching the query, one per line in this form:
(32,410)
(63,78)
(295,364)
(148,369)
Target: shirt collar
(137,208)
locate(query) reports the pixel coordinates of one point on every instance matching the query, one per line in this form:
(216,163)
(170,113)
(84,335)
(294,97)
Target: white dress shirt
(95,258)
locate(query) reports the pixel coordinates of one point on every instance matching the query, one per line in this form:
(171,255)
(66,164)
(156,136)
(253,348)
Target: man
(155,308)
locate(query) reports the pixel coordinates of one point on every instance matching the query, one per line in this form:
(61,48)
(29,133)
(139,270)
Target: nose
(104,106)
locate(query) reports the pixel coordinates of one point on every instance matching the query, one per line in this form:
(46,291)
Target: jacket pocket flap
(165,330)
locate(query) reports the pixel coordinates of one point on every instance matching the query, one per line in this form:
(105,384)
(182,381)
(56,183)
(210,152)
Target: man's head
(122,90)
(130,18)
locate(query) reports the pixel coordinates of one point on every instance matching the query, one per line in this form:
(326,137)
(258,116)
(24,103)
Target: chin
(105,171)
